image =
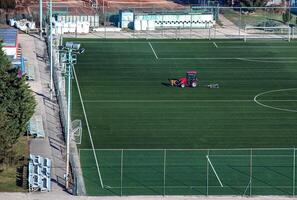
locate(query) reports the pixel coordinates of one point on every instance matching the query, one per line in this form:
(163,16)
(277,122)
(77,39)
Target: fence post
(294,171)
(245,34)
(122,161)
(133,32)
(289,34)
(191,28)
(164,173)
(162,27)
(240,23)
(251,171)
(209,32)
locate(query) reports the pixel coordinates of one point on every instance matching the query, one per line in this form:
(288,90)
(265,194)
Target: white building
(148,21)
(71,27)
(152,22)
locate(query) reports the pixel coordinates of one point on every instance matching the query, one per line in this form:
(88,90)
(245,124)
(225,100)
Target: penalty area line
(153,50)
(215,172)
(230,58)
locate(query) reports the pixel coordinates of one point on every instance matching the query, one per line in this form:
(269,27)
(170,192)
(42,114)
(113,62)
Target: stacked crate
(39,174)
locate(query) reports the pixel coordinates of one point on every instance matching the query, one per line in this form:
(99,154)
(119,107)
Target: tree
(287,16)
(17,105)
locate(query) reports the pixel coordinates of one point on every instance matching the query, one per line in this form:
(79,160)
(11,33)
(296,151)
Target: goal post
(76,131)
(267,32)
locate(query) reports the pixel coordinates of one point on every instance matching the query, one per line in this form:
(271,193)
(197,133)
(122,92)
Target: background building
(9,38)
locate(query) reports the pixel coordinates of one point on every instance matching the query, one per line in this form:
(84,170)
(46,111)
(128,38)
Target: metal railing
(246,172)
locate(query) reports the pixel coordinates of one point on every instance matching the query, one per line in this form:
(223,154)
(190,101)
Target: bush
(287,16)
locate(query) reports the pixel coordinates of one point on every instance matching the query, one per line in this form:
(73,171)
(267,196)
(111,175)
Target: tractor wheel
(182,85)
(194,84)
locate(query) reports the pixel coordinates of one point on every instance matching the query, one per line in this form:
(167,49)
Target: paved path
(52,146)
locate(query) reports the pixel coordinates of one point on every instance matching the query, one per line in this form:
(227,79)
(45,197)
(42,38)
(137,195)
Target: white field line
(88,127)
(260,47)
(235,58)
(172,42)
(215,44)
(273,107)
(268,61)
(185,101)
(159,42)
(153,50)
(194,186)
(215,172)
(260,155)
(230,149)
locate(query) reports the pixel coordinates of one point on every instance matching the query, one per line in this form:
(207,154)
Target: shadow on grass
(22,173)
(166,84)
(19,176)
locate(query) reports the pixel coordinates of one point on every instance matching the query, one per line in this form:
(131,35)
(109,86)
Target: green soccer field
(154,139)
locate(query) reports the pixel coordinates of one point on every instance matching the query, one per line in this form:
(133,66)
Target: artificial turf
(129,105)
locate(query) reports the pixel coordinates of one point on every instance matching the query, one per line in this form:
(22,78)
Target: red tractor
(190,80)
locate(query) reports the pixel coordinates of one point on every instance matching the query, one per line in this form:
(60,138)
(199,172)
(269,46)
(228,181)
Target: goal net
(267,32)
(76,131)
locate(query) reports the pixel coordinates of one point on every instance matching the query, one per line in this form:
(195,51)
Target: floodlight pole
(40,17)
(69,65)
(51,48)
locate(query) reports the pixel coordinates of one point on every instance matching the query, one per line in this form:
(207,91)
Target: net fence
(245,172)
(78,187)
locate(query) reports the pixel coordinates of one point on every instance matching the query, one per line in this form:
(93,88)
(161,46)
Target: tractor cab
(192,78)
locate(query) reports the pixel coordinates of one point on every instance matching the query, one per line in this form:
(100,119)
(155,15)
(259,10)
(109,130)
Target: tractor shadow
(166,84)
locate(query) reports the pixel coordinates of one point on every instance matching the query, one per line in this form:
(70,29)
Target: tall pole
(103,10)
(40,17)
(51,48)
(251,171)
(294,171)
(207,174)
(122,161)
(68,68)
(164,173)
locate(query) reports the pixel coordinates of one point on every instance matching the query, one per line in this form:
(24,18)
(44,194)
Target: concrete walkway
(52,146)
(58,196)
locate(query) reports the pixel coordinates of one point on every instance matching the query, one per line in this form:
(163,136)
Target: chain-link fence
(245,172)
